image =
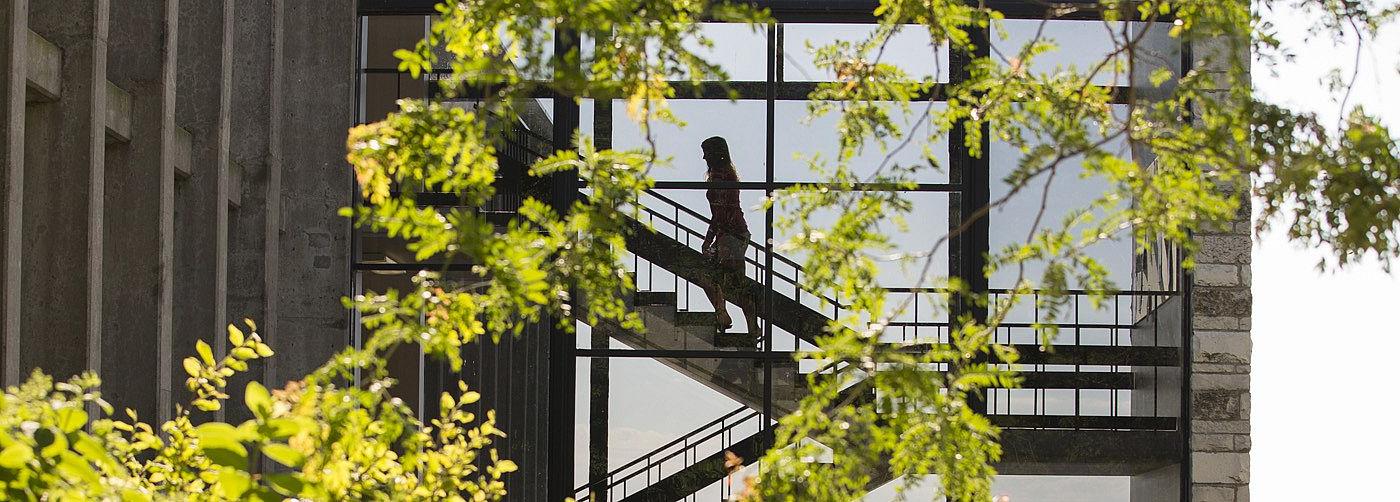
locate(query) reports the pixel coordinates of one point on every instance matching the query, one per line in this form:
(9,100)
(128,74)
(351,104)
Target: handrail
(684,438)
(797,268)
(679,207)
(705,220)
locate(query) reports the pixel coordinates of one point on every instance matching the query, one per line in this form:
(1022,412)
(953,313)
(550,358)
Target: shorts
(729,247)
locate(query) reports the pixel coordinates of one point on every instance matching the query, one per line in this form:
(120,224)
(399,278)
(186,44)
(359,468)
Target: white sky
(1324,410)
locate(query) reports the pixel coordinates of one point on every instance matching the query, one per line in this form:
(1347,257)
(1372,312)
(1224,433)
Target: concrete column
(318,58)
(201,200)
(140,201)
(63,189)
(14,25)
(255,110)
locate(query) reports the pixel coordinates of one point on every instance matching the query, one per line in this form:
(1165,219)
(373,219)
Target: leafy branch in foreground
(322,441)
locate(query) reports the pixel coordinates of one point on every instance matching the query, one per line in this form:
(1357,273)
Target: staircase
(1039,442)
(1078,444)
(738,378)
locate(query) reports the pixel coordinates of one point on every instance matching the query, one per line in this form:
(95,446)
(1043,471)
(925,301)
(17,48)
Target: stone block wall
(1220,361)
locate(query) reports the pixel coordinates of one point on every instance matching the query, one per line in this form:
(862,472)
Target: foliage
(319,441)
(881,412)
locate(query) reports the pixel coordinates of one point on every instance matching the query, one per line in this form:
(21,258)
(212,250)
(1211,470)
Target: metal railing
(649,468)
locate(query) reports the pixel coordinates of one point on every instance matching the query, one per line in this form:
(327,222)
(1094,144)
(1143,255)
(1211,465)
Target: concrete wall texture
(170,167)
(147,199)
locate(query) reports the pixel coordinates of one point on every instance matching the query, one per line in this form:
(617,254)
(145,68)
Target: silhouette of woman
(728,236)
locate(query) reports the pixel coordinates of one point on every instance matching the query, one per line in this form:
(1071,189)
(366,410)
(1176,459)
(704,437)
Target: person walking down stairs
(728,236)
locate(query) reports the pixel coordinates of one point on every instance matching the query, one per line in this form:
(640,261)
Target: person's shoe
(723,322)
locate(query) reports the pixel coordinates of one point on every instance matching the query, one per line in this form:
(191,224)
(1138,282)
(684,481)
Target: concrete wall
(318,106)
(150,165)
(14,50)
(139,208)
(201,216)
(61,287)
(256,102)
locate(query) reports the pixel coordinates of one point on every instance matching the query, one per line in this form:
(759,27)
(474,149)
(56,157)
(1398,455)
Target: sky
(1324,401)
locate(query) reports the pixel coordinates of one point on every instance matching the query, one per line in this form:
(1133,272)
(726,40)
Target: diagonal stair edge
(691,265)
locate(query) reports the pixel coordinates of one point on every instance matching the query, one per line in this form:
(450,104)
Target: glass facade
(649,410)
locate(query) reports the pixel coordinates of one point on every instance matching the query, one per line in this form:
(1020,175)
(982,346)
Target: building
(170,167)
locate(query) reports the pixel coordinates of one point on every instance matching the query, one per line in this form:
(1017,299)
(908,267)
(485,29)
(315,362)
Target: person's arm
(711,232)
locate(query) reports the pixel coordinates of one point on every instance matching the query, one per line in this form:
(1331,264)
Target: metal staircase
(1136,352)
(1035,443)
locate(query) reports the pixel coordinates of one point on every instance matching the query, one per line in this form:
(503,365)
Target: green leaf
(234,483)
(258,399)
(16,455)
(223,444)
(263,350)
(235,457)
(204,352)
(73,466)
(71,419)
(282,428)
(192,366)
(235,335)
(50,443)
(285,483)
(92,450)
(283,454)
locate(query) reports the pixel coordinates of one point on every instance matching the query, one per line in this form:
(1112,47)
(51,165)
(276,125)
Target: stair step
(692,318)
(735,341)
(656,298)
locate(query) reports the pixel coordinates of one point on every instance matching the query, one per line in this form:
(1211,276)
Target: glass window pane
(742,123)
(901,265)
(1082,45)
(798,138)
(910,49)
(740,50)
(386,34)
(664,415)
(1012,222)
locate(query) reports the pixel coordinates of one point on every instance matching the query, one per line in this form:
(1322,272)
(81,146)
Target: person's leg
(716,297)
(750,310)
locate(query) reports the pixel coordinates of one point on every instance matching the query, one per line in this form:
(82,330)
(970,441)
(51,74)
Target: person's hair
(719,165)
(721,171)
